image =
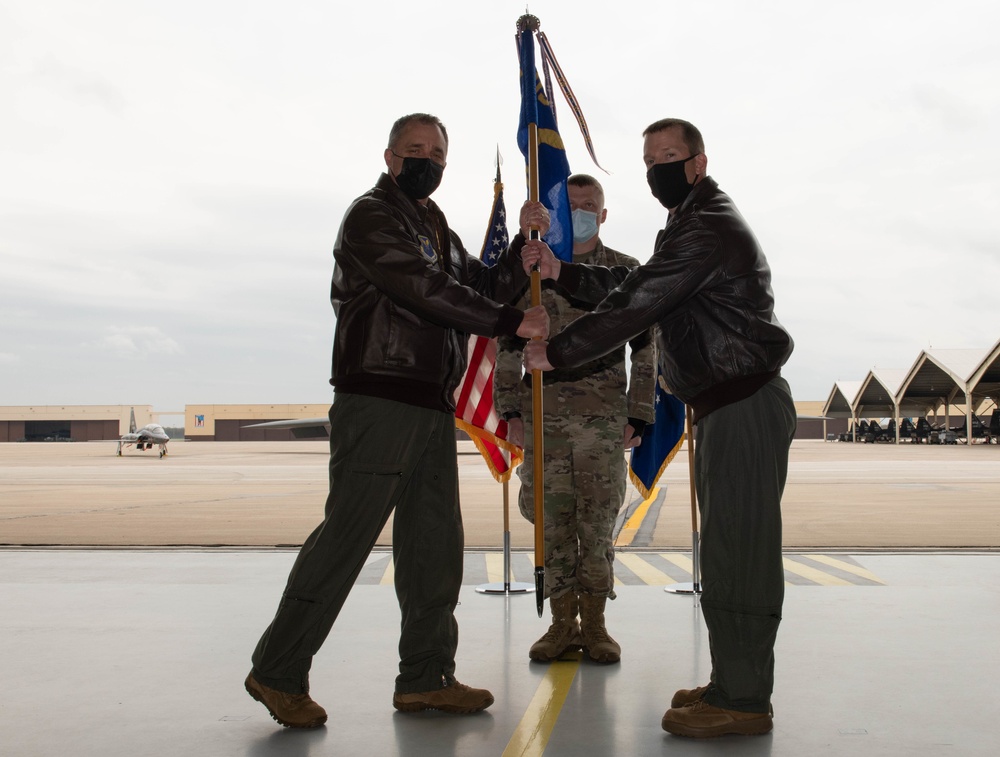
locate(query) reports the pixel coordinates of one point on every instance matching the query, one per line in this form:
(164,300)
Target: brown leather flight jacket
(407,295)
(708,289)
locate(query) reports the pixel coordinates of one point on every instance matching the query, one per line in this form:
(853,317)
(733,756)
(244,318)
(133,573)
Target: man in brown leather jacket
(708,288)
(406,295)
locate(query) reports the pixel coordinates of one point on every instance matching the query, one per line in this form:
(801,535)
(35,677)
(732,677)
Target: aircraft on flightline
(145,437)
(301,428)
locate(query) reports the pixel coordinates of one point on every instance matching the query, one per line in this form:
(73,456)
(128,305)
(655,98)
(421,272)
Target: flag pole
(695,586)
(506,587)
(478,417)
(528,24)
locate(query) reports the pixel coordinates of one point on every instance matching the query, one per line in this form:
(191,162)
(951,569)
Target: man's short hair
(689,133)
(420,118)
(586,180)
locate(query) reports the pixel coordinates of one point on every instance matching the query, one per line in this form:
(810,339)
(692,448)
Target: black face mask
(669,183)
(419,177)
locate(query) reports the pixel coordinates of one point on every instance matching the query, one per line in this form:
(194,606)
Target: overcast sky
(172,175)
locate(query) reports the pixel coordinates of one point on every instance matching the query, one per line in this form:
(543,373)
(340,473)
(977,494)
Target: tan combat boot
(703,721)
(291,710)
(564,633)
(596,640)
(684,697)
(456,698)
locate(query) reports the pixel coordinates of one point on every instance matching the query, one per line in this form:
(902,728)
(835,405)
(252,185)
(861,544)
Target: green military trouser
(384,455)
(741,461)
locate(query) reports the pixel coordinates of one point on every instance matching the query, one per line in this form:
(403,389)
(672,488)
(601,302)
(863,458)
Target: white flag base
(695,586)
(500,587)
(683,589)
(506,587)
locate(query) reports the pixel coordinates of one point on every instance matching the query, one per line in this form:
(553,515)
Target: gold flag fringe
(480,436)
(666,461)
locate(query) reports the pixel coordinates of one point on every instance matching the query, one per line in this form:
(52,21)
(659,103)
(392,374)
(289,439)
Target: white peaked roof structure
(877,395)
(840,403)
(946,377)
(938,378)
(986,379)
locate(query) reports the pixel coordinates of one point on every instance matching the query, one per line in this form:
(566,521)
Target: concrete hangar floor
(110,649)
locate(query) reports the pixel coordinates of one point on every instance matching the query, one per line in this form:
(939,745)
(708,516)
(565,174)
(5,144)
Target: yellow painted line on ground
(388,576)
(846,566)
(649,575)
(813,574)
(681,561)
(532,734)
(685,562)
(631,527)
(494,568)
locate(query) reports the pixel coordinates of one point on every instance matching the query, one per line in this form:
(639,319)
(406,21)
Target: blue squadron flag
(660,441)
(553,166)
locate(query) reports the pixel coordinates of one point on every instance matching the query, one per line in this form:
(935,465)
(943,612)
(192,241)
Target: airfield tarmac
(266,494)
(131,633)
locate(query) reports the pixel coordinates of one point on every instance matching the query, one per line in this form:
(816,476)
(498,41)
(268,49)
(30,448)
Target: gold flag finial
(527,22)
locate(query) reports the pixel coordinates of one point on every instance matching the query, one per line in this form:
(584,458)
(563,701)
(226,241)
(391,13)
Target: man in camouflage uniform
(590,420)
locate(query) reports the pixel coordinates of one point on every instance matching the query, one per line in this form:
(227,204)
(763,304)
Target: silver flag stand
(695,587)
(505,587)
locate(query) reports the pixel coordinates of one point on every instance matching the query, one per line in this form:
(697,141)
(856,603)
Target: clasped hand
(537,252)
(534,215)
(536,357)
(535,323)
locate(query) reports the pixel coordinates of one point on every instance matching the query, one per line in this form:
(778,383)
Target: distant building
(227,423)
(65,423)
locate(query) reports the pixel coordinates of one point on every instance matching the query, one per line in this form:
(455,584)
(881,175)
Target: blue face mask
(584,225)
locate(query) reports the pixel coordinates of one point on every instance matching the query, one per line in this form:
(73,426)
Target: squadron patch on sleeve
(427,248)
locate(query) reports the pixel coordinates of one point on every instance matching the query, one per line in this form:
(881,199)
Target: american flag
(474,411)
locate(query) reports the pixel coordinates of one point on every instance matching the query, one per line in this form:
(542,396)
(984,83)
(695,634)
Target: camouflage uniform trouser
(584,490)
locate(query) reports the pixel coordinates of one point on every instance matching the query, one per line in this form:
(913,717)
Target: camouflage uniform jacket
(596,388)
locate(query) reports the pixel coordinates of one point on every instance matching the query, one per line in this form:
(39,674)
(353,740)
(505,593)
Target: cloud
(170,191)
(135,341)
(51,73)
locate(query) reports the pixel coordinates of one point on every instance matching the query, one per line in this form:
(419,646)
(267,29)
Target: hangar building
(69,423)
(227,423)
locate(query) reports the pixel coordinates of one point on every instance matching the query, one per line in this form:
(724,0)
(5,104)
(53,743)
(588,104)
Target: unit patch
(427,248)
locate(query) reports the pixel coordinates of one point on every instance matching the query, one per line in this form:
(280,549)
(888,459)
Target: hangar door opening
(47,431)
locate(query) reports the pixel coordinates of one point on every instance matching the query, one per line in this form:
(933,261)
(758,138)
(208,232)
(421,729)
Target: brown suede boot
(703,721)
(291,710)
(684,697)
(596,640)
(564,633)
(456,698)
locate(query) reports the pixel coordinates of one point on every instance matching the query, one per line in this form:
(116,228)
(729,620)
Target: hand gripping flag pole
(527,25)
